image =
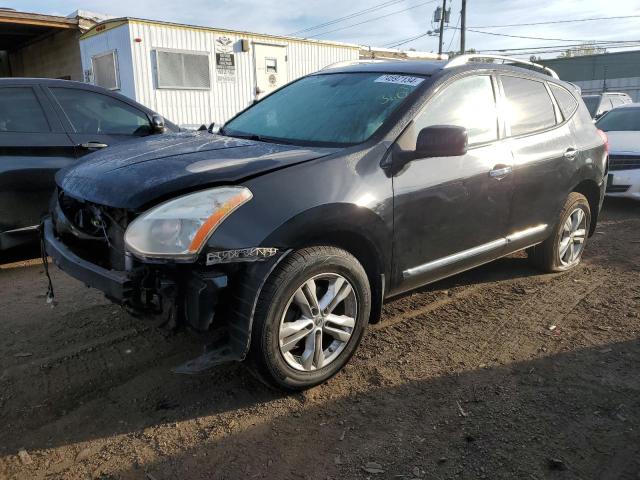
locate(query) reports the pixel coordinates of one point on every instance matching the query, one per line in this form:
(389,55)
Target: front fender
(329,200)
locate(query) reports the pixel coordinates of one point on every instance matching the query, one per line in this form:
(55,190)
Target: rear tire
(310,317)
(563,249)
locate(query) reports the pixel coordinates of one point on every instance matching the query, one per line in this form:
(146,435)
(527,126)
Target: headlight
(180,227)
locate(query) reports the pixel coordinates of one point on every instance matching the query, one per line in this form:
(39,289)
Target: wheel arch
(357,230)
(592,192)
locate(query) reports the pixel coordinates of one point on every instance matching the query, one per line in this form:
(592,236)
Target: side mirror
(441,141)
(157,124)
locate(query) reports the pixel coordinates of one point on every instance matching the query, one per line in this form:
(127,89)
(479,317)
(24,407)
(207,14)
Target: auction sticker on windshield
(400,79)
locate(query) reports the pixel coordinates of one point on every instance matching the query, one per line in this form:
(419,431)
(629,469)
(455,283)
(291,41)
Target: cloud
(286,16)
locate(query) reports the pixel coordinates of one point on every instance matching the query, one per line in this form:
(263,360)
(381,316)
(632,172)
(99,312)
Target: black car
(48,124)
(347,187)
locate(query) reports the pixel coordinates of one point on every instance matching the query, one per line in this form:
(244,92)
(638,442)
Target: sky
(401,19)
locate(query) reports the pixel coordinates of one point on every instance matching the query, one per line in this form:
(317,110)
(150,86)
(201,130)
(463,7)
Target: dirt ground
(496,373)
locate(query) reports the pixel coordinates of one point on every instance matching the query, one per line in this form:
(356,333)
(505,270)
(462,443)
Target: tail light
(605,139)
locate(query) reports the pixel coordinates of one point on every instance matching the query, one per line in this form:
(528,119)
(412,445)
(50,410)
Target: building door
(271,68)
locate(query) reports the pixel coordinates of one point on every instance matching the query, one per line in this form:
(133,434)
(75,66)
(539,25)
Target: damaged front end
(205,290)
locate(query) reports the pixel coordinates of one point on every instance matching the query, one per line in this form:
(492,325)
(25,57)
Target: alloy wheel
(318,322)
(572,237)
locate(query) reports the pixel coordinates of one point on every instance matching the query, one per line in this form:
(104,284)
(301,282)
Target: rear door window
(566,101)
(21,112)
(94,113)
(528,107)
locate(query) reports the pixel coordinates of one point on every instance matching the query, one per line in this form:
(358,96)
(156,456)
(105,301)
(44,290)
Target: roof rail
(464,59)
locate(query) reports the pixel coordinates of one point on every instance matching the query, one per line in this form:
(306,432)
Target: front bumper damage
(116,285)
(217,294)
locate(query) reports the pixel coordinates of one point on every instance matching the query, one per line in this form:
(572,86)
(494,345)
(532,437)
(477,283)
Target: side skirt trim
(23,229)
(473,252)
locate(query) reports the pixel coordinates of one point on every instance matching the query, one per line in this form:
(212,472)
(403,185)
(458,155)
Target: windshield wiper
(257,138)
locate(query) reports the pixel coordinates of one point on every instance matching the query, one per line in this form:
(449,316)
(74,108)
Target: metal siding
(624,85)
(596,67)
(117,39)
(223,100)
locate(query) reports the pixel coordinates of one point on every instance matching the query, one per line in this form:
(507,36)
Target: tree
(589,48)
(453,54)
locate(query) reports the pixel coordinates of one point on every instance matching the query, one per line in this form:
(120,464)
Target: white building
(197,75)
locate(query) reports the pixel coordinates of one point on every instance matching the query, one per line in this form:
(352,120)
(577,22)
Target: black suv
(48,124)
(290,227)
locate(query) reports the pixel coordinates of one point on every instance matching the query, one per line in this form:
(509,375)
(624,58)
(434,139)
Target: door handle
(93,145)
(570,154)
(500,171)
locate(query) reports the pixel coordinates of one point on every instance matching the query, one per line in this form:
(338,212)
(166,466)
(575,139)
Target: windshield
(620,120)
(592,102)
(336,109)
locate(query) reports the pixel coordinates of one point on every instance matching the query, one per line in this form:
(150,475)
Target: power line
(379,6)
(406,40)
(372,19)
(557,21)
(529,38)
(534,51)
(454,33)
(603,43)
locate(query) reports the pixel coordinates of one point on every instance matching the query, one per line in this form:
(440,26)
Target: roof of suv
(416,67)
(422,67)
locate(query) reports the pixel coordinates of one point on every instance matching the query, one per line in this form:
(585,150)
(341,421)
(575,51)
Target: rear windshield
(335,109)
(620,120)
(592,102)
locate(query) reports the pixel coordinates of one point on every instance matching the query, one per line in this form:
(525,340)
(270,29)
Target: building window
(271,65)
(105,70)
(182,70)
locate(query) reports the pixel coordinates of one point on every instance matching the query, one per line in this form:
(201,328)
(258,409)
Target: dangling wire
(45,264)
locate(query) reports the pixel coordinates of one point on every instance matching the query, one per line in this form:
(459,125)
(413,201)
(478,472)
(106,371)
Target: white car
(622,125)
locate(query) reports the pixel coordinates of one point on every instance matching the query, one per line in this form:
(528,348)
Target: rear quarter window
(528,106)
(566,101)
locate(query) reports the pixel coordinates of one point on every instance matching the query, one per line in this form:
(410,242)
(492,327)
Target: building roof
(116,22)
(18,29)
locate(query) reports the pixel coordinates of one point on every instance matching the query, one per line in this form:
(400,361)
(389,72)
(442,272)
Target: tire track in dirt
(81,373)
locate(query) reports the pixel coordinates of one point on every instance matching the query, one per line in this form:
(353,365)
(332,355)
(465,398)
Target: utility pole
(444,9)
(463,26)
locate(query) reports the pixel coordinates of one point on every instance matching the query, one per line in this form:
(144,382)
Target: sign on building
(225,59)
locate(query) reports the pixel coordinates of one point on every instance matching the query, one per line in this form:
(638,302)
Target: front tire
(563,249)
(310,317)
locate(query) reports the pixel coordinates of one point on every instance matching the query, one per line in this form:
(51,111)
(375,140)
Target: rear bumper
(115,284)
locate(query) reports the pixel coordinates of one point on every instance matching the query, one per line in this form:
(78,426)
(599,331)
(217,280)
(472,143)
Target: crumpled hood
(624,142)
(136,173)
